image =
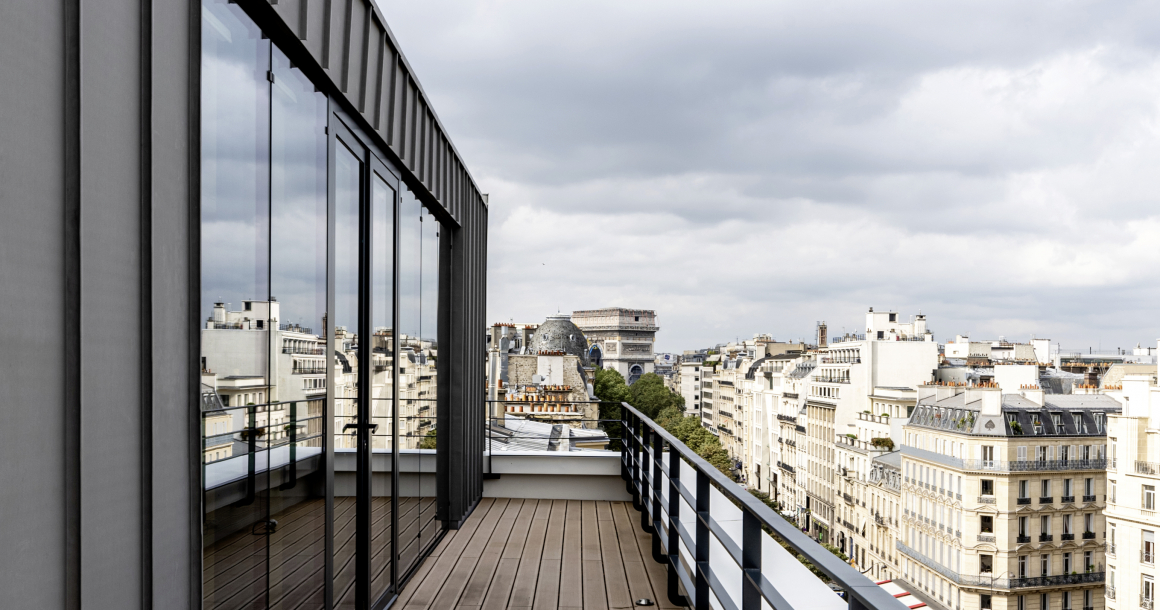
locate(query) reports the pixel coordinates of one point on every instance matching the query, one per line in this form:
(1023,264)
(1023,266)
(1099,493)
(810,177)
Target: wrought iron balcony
(1066,499)
(1089,535)
(1063,537)
(1022,501)
(1046,537)
(1047,500)
(1022,539)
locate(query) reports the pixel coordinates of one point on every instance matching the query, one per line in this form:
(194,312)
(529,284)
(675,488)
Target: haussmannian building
(1003,498)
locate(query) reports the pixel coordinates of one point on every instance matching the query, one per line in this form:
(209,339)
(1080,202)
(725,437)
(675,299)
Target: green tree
(650,396)
(609,386)
(428,441)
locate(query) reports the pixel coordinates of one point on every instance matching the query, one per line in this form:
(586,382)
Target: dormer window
(1077,419)
(1057,419)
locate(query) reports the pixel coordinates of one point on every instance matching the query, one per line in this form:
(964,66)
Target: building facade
(621,339)
(1003,498)
(254,264)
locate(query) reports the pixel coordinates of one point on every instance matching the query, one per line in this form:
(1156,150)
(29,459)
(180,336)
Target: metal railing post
(634,425)
(645,488)
(658,446)
(673,545)
(750,561)
(701,552)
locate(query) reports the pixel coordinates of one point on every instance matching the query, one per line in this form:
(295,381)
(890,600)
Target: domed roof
(559,334)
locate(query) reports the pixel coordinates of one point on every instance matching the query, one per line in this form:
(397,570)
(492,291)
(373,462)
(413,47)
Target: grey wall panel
(110,297)
(31,333)
(174,471)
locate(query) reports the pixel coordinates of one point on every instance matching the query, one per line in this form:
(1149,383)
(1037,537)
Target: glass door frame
(340,133)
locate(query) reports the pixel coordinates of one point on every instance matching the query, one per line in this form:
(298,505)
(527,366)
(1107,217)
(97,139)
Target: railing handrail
(861,591)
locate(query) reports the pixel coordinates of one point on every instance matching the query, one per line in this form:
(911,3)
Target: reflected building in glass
(253,257)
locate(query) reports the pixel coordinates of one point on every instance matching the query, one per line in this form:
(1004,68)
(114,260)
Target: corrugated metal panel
(357,51)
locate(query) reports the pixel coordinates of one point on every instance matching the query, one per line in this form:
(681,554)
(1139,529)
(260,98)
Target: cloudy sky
(745,167)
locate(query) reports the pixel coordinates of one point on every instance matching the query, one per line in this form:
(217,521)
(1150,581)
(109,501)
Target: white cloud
(755,167)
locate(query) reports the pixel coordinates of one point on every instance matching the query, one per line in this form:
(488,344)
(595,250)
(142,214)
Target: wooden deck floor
(540,554)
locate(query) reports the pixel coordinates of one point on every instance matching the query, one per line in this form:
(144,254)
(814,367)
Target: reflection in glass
(418,379)
(410,370)
(382,383)
(428,374)
(347,175)
(297,496)
(235,388)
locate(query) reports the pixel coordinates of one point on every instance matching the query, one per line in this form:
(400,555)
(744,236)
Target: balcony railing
(1023,501)
(1147,467)
(1110,592)
(690,508)
(1046,500)
(1147,557)
(986,499)
(1022,539)
(1046,537)
(1063,537)
(1145,602)
(1067,499)
(1089,535)
(1012,466)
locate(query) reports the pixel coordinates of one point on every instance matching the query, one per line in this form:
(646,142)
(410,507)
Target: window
(1045,488)
(987,524)
(1045,566)
(1022,566)
(1148,552)
(1099,421)
(1112,492)
(1089,522)
(1089,487)
(1148,588)
(1087,561)
(985,562)
(1057,419)
(1066,601)
(1067,524)
(1067,563)
(985,602)
(1022,453)
(1041,453)
(1067,487)
(1045,525)
(1023,488)
(988,487)
(1021,604)
(988,456)
(1022,526)
(1149,497)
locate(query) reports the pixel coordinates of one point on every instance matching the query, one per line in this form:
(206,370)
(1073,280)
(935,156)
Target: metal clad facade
(99,229)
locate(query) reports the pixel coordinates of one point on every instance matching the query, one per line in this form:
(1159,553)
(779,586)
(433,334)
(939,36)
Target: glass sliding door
(428,382)
(419,234)
(235,246)
(347,179)
(411,370)
(319,342)
(382,195)
(297,366)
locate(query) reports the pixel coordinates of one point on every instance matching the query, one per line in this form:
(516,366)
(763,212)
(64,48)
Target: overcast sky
(745,167)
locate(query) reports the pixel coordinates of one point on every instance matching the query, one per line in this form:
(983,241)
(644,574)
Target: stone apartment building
(1133,478)
(1003,498)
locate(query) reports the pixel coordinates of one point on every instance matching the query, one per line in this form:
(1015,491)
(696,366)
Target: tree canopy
(609,386)
(650,396)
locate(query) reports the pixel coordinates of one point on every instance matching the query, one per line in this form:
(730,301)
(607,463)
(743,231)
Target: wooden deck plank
(476,589)
(639,583)
(548,583)
(524,588)
(657,573)
(457,578)
(500,589)
(589,540)
(425,590)
(615,581)
(594,594)
(514,549)
(571,577)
